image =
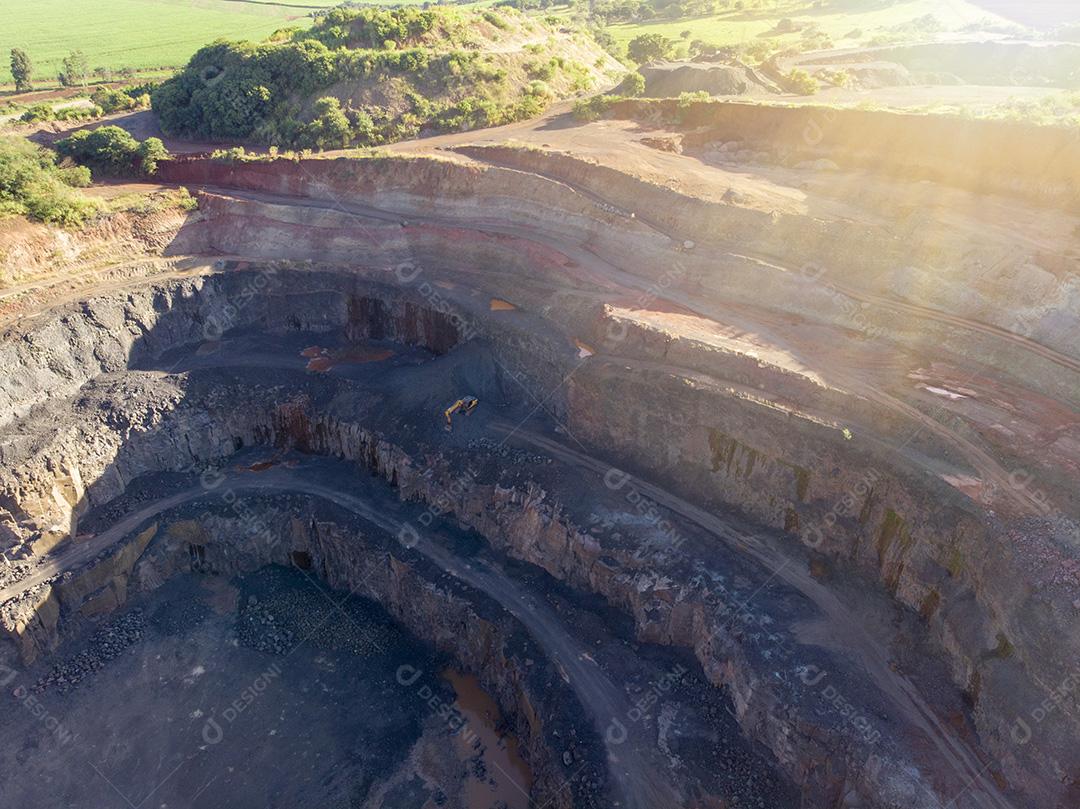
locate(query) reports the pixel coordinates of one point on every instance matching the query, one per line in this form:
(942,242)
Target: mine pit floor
(194,714)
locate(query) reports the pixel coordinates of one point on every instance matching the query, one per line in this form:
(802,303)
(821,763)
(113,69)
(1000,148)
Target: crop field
(140,34)
(745,26)
(151,34)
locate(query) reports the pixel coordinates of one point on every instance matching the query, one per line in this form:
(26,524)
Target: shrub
(329,128)
(633,84)
(234,154)
(150,152)
(112,150)
(544,71)
(44,111)
(838,78)
(689,98)
(540,89)
(496,19)
(31,184)
(41,111)
(113,100)
(594,108)
(363,127)
(801,82)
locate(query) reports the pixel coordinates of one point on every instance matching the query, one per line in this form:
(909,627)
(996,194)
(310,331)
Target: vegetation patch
(44,111)
(32,184)
(113,151)
(757,29)
(103,101)
(367,76)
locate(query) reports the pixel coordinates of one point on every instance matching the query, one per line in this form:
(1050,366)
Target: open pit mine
(553,469)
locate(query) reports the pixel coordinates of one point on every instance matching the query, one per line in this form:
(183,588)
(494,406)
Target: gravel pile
(518,456)
(257,628)
(288,610)
(107,643)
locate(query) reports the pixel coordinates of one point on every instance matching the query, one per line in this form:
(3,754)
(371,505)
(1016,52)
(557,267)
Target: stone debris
(279,620)
(106,644)
(504,452)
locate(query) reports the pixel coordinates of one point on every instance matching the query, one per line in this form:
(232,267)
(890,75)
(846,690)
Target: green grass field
(140,34)
(149,34)
(742,27)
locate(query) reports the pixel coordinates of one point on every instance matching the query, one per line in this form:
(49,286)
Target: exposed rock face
(730,427)
(920,538)
(806,267)
(886,527)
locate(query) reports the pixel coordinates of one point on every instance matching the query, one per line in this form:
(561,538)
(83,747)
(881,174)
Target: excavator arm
(466,404)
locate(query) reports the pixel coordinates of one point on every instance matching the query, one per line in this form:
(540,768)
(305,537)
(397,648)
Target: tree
(330,128)
(21,69)
(649,48)
(75,69)
(112,150)
(151,151)
(33,185)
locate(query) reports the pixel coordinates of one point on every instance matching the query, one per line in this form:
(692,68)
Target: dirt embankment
(989,63)
(31,250)
(994,157)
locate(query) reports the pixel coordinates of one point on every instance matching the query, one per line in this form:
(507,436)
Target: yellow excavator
(464,405)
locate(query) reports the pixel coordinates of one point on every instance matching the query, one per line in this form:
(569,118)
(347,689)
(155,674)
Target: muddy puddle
(323,359)
(497,775)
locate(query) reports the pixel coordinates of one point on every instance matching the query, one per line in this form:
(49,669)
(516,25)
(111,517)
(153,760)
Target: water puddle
(497,775)
(323,359)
